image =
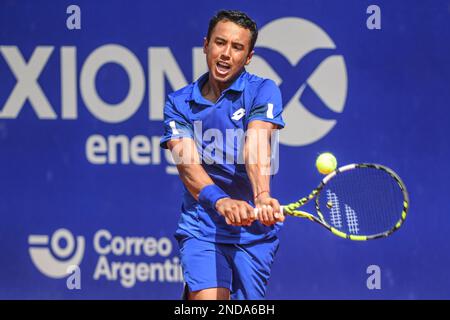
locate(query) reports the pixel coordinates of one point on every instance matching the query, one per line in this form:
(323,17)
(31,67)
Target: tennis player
(226,250)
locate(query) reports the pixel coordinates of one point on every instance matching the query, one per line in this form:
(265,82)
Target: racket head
(362,201)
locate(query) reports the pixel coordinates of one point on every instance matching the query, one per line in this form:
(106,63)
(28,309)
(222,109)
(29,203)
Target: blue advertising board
(83,180)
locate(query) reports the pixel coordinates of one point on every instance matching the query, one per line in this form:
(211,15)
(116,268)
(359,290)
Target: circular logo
(311,75)
(56,262)
(62,234)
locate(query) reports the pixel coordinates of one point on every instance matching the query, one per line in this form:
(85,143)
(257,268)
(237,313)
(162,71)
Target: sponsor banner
(89,200)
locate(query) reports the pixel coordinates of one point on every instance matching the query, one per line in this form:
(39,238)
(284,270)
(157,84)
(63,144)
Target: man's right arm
(200,184)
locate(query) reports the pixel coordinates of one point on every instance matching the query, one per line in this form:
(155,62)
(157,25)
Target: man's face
(227,51)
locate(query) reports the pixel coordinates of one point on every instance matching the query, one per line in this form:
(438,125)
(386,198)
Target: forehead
(231,31)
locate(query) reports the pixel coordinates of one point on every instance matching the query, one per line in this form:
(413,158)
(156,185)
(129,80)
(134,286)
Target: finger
(263,214)
(248,222)
(281,216)
(253,213)
(277,212)
(243,213)
(237,216)
(257,212)
(270,216)
(229,216)
(250,211)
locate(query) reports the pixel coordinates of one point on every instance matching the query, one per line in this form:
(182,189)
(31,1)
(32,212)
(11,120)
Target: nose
(225,55)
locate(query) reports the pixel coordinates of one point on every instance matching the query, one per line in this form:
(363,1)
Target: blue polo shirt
(218,131)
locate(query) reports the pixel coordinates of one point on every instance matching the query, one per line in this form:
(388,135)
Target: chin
(221,79)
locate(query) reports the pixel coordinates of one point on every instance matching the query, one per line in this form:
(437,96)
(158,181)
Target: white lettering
(96,148)
(162,65)
(27,86)
(139,150)
(127,60)
(74,20)
(128,273)
(69,82)
(136,246)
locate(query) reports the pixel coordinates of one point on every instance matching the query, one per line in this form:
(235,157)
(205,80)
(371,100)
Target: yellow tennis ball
(326,163)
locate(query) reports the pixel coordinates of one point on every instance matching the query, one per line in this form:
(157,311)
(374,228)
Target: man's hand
(236,212)
(269,210)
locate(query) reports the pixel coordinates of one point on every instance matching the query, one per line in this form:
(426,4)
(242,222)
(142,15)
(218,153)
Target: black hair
(238,17)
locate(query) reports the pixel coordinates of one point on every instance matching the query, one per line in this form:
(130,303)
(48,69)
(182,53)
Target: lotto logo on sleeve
(54,256)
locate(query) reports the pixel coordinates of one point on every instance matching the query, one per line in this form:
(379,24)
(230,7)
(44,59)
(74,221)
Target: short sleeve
(267,105)
(176,125)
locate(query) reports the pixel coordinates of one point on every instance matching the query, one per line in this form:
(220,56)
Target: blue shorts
(244,269)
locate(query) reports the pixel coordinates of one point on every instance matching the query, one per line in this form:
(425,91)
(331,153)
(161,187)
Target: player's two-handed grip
(268,210)
(236,212)
(239,213)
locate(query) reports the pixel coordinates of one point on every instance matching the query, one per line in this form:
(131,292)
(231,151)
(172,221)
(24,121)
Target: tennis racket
(357,202)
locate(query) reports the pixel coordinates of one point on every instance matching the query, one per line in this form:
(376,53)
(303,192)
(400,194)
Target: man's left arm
(258,165)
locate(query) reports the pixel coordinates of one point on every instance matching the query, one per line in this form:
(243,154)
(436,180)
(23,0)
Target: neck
(212,89)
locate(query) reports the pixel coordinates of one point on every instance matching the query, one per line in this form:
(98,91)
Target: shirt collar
(196,95)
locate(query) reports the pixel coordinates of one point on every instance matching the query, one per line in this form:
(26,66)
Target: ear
(249,57)
(205,45)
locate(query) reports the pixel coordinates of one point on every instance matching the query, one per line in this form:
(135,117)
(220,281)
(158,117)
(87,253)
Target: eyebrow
(233,42)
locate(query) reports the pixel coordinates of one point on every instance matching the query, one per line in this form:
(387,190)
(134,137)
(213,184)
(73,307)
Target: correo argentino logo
(54,256)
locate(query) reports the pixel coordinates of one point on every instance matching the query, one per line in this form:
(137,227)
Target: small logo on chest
(238,114)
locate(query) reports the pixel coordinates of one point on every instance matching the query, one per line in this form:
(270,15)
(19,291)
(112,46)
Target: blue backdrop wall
(84,182)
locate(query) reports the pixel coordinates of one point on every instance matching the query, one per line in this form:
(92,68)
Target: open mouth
(222,68)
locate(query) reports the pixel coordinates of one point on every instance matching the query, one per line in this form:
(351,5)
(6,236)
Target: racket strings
(364,201)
